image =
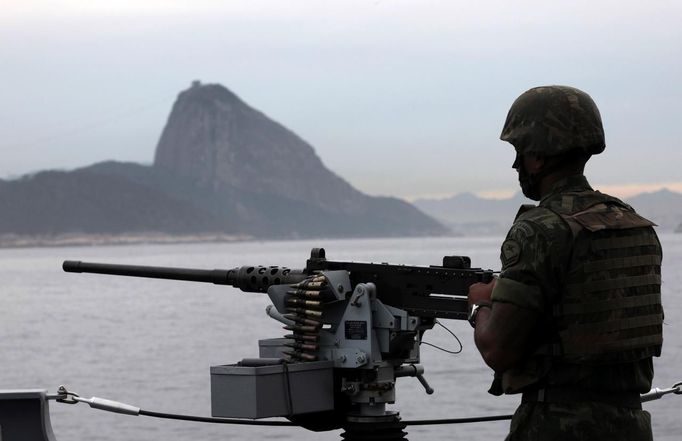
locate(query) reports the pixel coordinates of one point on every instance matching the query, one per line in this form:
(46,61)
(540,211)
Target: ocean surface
(150,342)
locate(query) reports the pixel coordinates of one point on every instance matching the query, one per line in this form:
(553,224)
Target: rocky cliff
(220,142)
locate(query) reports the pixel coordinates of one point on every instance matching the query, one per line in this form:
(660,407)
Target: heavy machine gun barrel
(246,278)
(218,277)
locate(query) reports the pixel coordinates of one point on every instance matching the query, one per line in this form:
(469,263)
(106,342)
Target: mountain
(266,178)
(220,167)
(468,214)
(220,142)
(90,202)
(663,207)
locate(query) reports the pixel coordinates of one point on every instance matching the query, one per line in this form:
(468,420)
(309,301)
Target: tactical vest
(609,308)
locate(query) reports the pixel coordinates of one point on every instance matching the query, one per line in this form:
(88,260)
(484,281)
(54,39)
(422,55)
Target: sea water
(150,342)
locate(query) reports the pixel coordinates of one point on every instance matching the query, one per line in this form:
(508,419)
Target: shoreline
(86,240)
(13,241)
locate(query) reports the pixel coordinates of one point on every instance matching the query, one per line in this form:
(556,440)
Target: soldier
(575,317)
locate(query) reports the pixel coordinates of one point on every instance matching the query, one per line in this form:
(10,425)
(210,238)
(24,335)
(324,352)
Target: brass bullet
(305,303)
(307,312)
(307,357)
(303,337)
(303,346)
(303,320)
(315,283)
(300,355)
(299,328)
(304,293)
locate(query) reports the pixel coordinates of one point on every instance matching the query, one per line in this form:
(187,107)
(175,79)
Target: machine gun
(354,328)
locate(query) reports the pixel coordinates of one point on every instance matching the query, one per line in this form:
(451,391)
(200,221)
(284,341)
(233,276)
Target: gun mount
(354,328)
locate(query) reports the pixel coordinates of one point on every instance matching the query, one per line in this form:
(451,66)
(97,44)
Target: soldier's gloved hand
(481,292)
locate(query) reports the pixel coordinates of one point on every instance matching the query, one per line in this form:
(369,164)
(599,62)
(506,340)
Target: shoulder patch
(511,252)
(540,219)
(521,230)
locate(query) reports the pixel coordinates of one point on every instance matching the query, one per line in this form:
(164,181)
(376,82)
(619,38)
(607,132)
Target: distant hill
(663,207)
(220,167)
(468,214)
(91,200)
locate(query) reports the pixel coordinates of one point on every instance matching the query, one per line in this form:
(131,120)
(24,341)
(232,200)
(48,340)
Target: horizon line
(617,190)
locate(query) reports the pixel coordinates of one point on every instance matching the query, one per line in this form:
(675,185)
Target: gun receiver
(425,291)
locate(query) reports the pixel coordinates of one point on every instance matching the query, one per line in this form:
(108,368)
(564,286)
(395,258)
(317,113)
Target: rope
(64,396)
(199,419)
(458,420)
(67,397)
(455,352)
(290,424)
(290,402)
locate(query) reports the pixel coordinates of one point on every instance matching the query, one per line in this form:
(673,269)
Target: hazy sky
(403,98)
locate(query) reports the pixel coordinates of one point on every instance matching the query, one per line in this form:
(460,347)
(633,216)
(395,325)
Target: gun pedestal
(387,427)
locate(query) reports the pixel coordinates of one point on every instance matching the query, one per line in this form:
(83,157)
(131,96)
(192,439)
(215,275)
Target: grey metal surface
(272,347)
(25,416)
(269,391)
(356,344)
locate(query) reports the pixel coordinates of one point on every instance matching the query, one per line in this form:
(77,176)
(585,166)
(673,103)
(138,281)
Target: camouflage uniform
(537,275)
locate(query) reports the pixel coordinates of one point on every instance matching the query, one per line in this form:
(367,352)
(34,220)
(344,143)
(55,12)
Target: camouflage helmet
(553,120)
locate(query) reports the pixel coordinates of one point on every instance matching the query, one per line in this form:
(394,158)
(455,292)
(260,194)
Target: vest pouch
(609,217)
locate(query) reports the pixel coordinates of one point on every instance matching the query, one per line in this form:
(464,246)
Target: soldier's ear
(534,162)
